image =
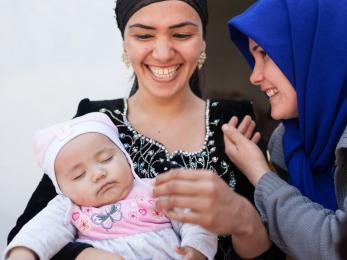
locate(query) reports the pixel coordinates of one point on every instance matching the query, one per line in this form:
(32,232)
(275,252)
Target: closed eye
(78,176)
(182,35)
(144,36)
(263,53)
(108,159)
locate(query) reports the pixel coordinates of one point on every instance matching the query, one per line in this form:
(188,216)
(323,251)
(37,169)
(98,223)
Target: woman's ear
(203,46)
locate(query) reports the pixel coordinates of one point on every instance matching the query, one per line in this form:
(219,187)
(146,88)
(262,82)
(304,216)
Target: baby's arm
(195,238)
(45,234)
(21,253)
(189,253)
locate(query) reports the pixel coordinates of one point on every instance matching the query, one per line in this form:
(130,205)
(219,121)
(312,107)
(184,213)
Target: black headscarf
(126,8)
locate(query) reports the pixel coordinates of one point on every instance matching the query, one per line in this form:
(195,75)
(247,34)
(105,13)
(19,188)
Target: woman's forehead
(165,13)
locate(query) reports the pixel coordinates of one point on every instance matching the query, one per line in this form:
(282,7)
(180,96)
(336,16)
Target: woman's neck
(144,103)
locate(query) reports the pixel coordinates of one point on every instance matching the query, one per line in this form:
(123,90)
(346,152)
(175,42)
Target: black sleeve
(86,106)
(274,253)
(70,251)
(44,193)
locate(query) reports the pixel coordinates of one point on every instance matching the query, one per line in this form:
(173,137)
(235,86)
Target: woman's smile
(164,74)
(271,92)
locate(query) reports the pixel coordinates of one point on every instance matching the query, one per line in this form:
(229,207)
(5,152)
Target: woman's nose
(256,76)
(98,174)
(163,50)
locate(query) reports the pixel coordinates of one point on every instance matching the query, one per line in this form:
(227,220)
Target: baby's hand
(21,253)
(189,253)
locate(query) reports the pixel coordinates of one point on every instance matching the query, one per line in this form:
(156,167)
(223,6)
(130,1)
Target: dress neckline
(159,144)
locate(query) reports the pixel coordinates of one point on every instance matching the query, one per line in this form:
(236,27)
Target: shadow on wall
(227,72)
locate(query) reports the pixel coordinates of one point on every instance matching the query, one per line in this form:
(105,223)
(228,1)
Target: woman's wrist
(254,179)
(250,239)
(246,214)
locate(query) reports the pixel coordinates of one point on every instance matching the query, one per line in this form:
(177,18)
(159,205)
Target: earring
(125,59)
(202,59)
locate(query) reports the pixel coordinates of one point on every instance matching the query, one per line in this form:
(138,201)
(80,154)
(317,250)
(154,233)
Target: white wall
(52,54)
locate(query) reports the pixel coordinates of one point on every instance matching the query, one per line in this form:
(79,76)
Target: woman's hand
(241,148)
(205,193)
(214,206)
(94,253)
(246,128)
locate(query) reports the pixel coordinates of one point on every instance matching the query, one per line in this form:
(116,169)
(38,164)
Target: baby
(102,200)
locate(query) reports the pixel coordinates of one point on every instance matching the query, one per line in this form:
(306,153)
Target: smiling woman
(299,58)
(268,76)
(164,51)
(164,44)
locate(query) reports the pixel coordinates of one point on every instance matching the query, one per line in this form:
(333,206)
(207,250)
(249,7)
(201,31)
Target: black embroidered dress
(150,157)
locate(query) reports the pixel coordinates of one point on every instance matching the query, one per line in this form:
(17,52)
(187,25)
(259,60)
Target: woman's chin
(277,116)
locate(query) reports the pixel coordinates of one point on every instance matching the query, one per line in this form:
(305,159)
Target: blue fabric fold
(307,39)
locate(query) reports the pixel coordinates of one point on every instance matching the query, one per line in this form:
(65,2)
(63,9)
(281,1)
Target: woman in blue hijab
(298,52)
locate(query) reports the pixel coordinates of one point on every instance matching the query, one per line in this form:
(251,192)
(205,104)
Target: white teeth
(271,92)
(164,73)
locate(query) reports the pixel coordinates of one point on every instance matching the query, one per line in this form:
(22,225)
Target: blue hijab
(307,39)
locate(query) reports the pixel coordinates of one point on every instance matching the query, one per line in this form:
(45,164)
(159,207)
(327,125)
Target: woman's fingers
(188,217)
(232,134)
(230,146)
(194,203)
(246,127)
(185,183)
(256,138)
(233,121)
(250,129)
(181,174)
(180,186)
(244,153)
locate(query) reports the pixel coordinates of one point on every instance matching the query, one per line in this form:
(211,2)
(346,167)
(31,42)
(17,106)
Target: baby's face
(92,171)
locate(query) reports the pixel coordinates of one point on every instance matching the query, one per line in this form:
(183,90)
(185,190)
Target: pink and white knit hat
(48,141)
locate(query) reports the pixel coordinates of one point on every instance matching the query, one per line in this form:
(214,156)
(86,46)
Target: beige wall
(50,58)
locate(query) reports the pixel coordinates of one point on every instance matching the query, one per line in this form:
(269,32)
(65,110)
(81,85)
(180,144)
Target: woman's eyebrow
(254,48)
(179,25)
(139,25)
(175,26)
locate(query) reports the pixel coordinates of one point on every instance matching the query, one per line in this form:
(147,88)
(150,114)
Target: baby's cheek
(79,196)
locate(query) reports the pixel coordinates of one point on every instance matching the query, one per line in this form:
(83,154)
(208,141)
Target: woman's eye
(263,53)
(143,36)
(182,35)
